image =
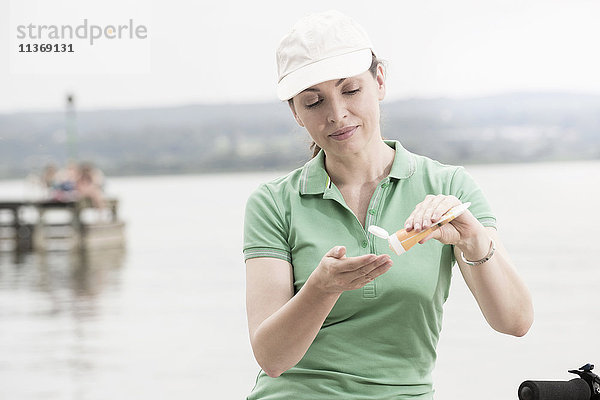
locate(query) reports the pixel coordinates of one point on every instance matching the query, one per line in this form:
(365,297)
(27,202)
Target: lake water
(166,317)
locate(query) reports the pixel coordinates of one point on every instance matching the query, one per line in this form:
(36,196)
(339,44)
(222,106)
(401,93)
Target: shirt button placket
(373,211)
(370,289)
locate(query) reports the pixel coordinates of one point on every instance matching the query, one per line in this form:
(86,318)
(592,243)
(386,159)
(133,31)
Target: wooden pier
(27,228)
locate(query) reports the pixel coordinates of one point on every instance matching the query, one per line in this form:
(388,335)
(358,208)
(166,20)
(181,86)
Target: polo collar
(315,180)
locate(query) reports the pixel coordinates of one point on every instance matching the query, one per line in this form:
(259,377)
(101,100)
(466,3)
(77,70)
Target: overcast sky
(224,50)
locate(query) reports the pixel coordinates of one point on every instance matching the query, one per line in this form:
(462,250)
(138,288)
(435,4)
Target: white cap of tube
(392,240)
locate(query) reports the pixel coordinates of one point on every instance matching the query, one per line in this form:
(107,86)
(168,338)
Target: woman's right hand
(337,273)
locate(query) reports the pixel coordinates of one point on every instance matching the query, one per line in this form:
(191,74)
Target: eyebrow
(338,83)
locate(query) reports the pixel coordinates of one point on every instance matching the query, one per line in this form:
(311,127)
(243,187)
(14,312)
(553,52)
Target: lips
(344,133)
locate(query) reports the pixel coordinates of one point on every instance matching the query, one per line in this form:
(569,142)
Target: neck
(370,165)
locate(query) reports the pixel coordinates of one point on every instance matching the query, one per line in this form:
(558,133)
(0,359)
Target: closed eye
(312,105)
(316,103)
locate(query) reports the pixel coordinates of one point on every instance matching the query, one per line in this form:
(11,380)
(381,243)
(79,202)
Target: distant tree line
(232,137)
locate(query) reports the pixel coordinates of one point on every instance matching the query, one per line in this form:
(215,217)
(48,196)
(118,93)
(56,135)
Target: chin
(352,145)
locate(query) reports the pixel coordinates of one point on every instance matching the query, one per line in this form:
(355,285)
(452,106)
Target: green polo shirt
(378,342)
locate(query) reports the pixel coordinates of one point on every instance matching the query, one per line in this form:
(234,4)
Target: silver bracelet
(484,259)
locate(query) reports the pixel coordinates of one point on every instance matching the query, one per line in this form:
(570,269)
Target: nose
(337,109)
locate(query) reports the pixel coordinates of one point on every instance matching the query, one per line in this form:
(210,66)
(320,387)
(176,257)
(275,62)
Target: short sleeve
(265,234)
(466,189)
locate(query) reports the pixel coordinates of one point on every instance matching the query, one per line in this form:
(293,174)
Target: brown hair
(372,69)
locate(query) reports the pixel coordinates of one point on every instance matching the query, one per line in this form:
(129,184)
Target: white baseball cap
(321,47)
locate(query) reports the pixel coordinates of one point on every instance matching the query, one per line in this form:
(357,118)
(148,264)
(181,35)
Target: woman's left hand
(458,232)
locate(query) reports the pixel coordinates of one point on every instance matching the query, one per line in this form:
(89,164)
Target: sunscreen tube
(401,241)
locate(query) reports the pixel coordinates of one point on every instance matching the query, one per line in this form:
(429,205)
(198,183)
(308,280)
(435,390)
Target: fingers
(348,273)
(415,219)
(443,207)
(379,268)
(367,269)
(336,252)
(429,211)
(353,263)
(382,269)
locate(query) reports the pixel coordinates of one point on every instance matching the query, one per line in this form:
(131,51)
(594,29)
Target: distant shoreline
(196,139)
(283,171)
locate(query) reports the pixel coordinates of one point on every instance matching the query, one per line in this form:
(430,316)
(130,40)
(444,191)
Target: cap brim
(336,67)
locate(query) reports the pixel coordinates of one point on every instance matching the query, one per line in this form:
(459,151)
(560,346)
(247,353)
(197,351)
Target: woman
(331,313)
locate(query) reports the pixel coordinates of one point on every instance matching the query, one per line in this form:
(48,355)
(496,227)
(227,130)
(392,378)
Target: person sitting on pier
(74,183)
(61,183)
(89,185)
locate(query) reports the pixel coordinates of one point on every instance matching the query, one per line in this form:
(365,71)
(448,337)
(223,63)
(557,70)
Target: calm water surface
(166,319)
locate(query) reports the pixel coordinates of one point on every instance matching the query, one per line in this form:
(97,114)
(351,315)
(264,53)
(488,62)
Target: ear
(293,108)
(380,82)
